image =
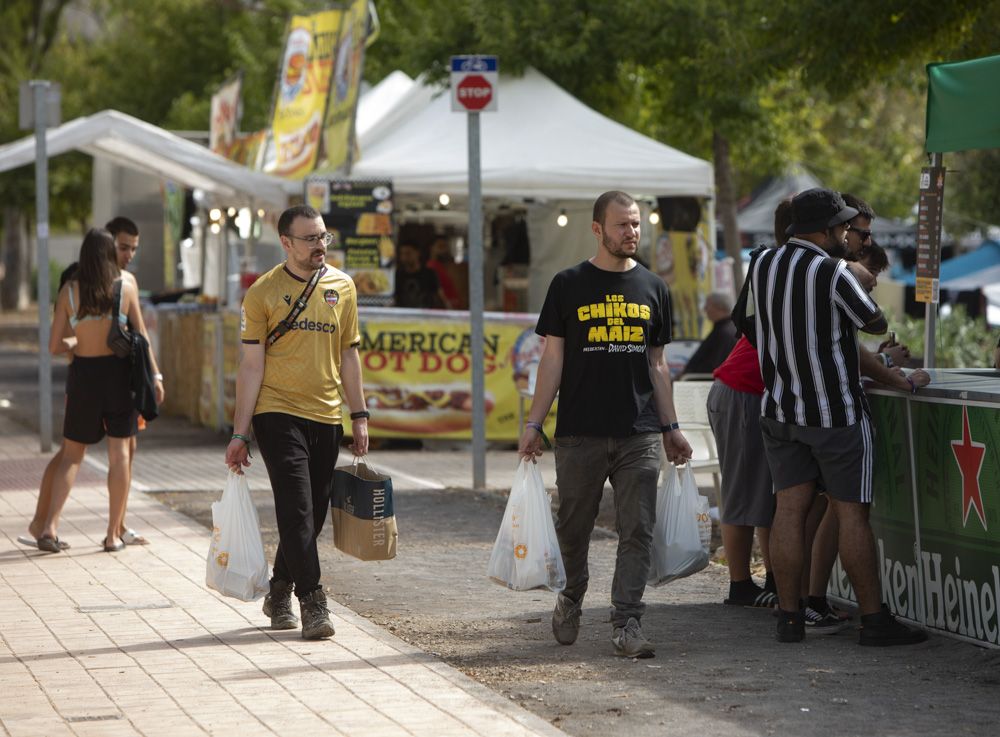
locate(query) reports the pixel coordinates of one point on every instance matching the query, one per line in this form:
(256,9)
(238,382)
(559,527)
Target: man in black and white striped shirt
(807,309)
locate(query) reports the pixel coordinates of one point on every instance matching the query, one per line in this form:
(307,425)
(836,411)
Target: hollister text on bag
(364,524)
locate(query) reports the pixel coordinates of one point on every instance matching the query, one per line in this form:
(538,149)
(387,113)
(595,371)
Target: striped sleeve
(851,297)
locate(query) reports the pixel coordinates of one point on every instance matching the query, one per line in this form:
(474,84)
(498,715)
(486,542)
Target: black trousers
(300,456)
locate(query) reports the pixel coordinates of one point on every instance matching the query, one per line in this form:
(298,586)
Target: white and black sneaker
(823,623)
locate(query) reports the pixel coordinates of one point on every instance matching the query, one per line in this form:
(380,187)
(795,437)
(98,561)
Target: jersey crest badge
(331,297)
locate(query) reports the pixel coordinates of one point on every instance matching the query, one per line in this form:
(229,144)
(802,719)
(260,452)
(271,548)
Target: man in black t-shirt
(606,322)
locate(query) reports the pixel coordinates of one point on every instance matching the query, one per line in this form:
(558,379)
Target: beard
(618,250)
(308,264)
(836,249)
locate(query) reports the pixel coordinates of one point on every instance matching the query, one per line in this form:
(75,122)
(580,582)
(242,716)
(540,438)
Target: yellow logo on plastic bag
(520,552)
(222,559)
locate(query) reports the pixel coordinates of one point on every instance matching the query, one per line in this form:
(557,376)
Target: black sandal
(49,544)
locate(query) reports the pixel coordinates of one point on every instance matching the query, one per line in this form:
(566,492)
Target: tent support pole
(476,306)
(40,90)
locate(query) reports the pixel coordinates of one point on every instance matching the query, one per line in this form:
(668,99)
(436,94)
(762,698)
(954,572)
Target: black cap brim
(817,226)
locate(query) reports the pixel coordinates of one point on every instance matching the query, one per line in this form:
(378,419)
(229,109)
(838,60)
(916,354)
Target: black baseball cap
(817,209)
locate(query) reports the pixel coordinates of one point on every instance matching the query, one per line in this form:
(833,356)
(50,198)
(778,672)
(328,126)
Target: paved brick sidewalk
(133,643)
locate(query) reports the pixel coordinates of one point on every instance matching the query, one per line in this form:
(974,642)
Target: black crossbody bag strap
(300,304)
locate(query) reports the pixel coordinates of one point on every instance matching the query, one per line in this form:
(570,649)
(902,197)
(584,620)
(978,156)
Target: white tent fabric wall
(541,143)
(564,247)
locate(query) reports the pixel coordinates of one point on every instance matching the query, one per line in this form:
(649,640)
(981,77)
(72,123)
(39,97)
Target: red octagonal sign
(474,92)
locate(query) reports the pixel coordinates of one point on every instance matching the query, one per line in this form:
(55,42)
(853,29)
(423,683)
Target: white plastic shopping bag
(678,550)
(236,565)
(526,552)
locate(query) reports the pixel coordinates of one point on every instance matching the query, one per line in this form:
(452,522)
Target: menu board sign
(359,214)
(929,234)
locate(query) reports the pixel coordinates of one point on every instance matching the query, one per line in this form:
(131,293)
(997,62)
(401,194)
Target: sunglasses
(863,233)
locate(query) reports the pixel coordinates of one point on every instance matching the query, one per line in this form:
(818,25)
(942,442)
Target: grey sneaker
(566,620)
(278,606)
(630,642)
(315,616)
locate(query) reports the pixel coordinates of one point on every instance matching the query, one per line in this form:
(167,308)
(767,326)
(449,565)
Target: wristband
(670,428)
(361,415)
(913,387)
(537,427)
(245,439)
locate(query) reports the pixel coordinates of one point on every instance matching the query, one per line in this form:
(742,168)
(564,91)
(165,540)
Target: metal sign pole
(40,88)
(476,306)
(930,308)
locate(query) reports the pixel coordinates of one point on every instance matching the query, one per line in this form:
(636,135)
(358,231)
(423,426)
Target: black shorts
(99,400)
(838,458)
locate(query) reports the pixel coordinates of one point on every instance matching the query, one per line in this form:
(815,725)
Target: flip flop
(49,544)
(31,542)
(116,547)
(131,537)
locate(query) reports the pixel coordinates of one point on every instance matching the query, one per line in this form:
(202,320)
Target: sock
(769,584)
(819,603)
(745,587)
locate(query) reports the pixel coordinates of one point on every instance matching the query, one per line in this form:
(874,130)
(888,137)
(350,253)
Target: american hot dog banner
(418,374)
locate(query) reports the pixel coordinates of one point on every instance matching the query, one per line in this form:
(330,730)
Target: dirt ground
(718,669)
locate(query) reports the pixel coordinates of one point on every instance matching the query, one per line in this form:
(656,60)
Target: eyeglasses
(863,233)
(324,239)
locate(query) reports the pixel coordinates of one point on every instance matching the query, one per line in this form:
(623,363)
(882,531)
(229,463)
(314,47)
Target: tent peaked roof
(139,145)
(542,142)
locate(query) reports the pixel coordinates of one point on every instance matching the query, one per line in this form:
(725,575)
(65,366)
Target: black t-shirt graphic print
(608,320)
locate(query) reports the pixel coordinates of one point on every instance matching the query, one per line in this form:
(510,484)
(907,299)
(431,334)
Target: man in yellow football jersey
(300,362)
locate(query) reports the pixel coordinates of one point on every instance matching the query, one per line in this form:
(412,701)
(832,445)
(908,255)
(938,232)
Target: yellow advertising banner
(303,85)
(685,262)
(418,376)
(338,126)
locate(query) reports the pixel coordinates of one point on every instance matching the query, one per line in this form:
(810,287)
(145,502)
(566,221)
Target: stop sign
(474,92)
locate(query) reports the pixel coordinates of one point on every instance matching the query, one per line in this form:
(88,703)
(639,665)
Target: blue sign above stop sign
(474,82)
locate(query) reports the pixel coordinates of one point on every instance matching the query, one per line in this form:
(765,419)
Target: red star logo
(969,456)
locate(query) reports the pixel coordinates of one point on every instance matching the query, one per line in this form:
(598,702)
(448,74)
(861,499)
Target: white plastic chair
(691,404)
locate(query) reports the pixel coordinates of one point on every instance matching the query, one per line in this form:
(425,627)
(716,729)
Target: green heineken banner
(949,577)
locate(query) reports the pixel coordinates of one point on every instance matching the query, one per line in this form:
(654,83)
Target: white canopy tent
(541,143)
(542,147)
(130,142)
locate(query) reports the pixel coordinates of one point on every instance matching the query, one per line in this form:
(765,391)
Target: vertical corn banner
(302,90)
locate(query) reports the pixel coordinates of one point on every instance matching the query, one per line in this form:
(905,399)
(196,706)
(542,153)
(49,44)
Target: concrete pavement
(133,643)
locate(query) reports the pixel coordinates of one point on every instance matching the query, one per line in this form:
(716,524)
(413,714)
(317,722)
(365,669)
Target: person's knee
(118,450)
(851,512)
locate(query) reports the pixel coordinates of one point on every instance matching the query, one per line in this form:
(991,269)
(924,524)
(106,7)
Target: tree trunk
(14,286)
(727,205)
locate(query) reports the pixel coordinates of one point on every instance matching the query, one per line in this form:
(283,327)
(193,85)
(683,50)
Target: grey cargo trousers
(632,464)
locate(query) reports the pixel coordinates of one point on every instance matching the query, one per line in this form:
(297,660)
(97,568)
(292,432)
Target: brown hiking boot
(316,622)
(278,606)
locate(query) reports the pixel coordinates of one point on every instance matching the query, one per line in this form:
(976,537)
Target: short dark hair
(782,220)
(121,224)
(616,196)
(875,255)
(289,215)
(864,209)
